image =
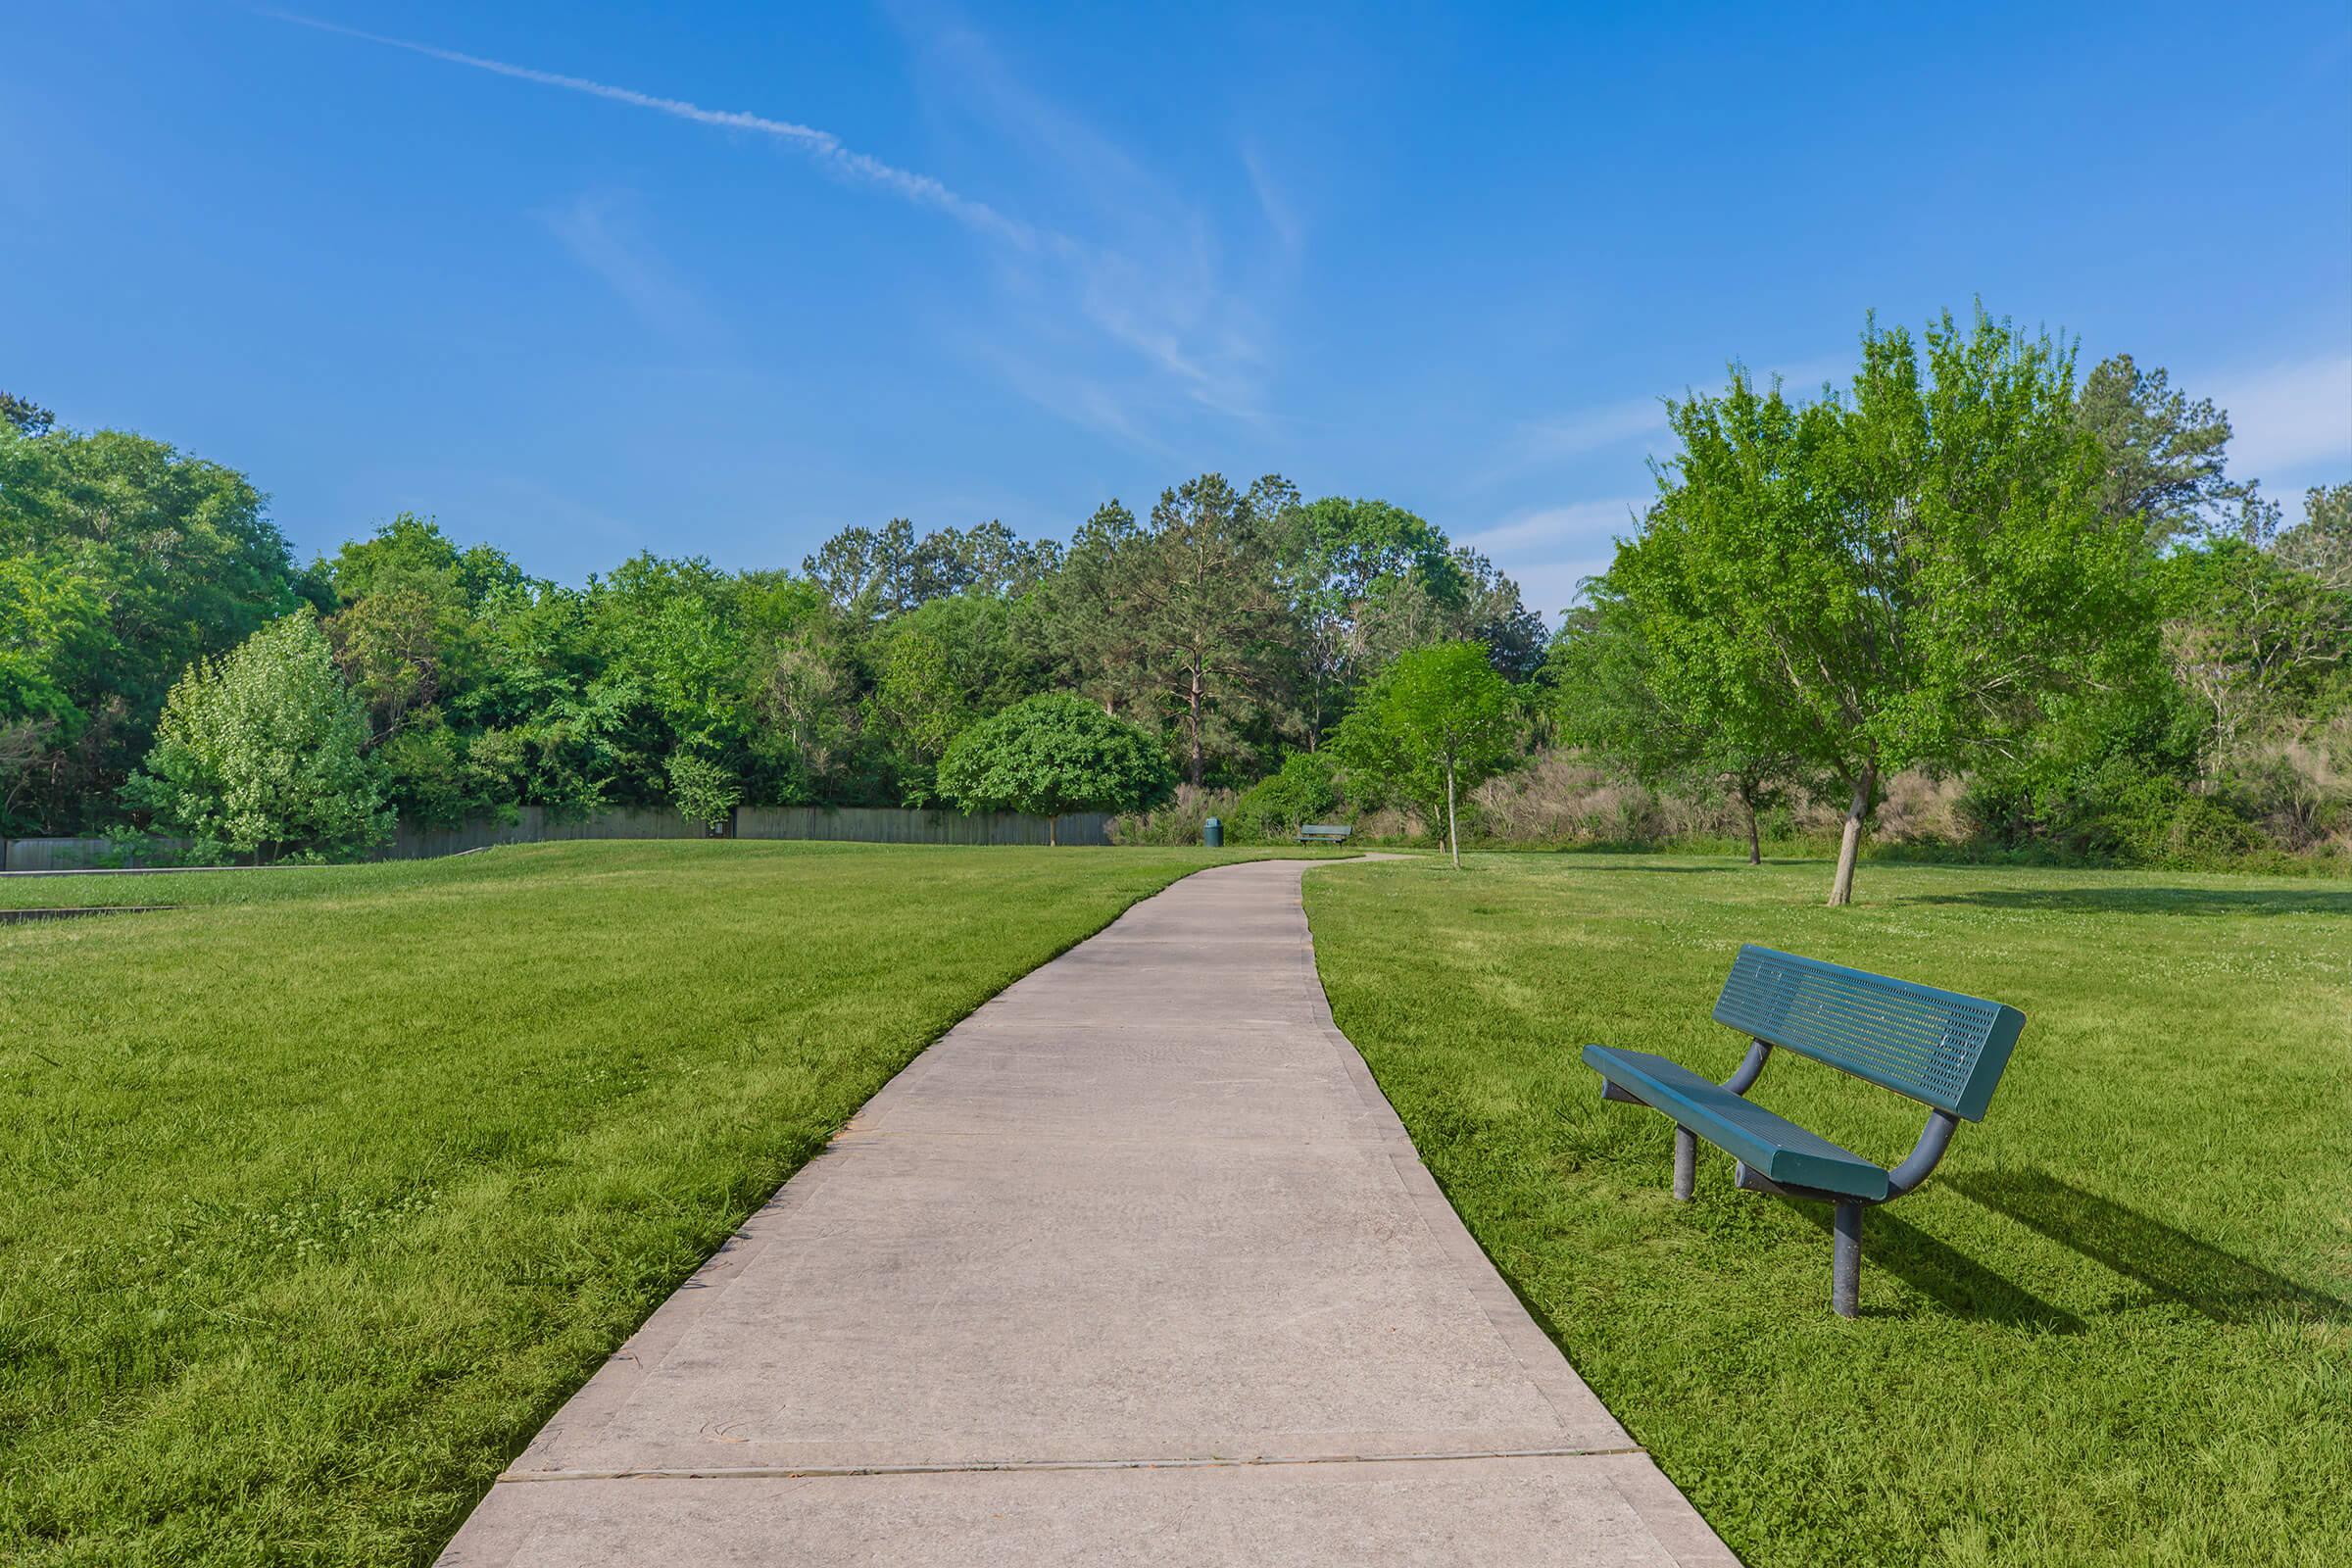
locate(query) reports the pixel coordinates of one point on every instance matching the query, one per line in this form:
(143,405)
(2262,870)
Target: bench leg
(1686,1162)
(1845,1265)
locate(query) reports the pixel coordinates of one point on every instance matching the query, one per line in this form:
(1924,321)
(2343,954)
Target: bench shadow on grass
(2149,901)
(1945,1275)
(2169,1263)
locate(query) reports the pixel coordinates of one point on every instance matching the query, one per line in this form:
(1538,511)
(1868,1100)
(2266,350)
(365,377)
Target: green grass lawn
(2115,1327)
(323,1192)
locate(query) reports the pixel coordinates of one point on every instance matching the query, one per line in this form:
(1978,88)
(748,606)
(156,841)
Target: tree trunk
(1755,849)
(1453,840)
(1053,841)
(1849,843)
(1192,720)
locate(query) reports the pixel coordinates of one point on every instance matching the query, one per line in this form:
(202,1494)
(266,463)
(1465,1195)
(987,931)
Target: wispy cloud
(2288,418)
(1568,435)
(595,229)
(1550,551)
(1081,399)
(1152,276)
(1281,217)
(1579,528)
(1550,587)
(1151,289)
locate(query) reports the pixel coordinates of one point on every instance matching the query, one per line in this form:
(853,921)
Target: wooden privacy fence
(887,825)
(865,824)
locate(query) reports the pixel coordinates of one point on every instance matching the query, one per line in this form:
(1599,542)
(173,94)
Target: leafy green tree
(413,551)
(1052,754)
(1611,701)
(2258,643)
(433,775)
(395,647)
(265,747)
(2163,456)
(416,635)
(1186,621)
(25,415)
(1893,579)
(183,563)
(2321,545)
(2105,773)
(667,627)
(876,573)
(1087,616)
(806,690)
(671,665)
(1437,720)
(527,710)
(1473,601)
(938,669)
(1211,608)
(47,614)
(1353,556)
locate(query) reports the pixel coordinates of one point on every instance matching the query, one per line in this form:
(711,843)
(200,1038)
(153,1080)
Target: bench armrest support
(1923,1154)
(1751,1068)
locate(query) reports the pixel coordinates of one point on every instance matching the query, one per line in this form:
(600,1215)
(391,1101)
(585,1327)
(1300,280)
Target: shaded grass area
(323,1192)
(207,886)
(2115,1327)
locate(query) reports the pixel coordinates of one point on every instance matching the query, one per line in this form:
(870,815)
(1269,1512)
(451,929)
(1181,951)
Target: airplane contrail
(822,145)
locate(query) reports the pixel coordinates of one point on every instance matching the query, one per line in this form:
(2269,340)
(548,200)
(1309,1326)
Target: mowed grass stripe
(2115,1327)
(325,1190)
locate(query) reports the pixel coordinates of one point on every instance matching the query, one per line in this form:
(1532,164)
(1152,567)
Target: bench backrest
(1324,830)
(1938,1046)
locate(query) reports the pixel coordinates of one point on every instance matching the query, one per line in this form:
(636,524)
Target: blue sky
(587,279)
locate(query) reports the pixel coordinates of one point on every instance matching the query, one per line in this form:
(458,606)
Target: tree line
(1965,562)
(154,616)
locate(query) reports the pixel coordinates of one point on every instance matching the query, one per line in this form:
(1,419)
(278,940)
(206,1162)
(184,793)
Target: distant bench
(1324,832)
(1942,1048)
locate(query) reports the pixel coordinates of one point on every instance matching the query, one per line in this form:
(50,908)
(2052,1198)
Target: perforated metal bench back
(1938,1046)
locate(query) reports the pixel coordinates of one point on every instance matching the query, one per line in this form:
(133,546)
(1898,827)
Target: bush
(1178,821)
(2113,809)
(1305,789)
(2299,789)
(265,746)
(1053,755)
(702,790)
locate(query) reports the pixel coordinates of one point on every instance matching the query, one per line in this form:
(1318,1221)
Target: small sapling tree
(1437,721)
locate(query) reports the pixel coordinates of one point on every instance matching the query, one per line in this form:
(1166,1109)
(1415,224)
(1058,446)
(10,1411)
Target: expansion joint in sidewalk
(985,1466)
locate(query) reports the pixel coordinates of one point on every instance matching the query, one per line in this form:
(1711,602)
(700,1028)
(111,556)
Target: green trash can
(1212,833)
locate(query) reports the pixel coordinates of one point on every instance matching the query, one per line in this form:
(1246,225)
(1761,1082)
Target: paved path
(1136,1265)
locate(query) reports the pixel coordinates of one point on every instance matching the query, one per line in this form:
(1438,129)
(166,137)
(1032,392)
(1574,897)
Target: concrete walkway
(1135,1267)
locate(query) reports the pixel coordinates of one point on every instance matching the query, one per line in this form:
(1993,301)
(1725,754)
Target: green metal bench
(1324,832)
(1942,1048)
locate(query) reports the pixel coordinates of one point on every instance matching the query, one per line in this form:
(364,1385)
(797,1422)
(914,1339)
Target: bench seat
(1772,1146)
